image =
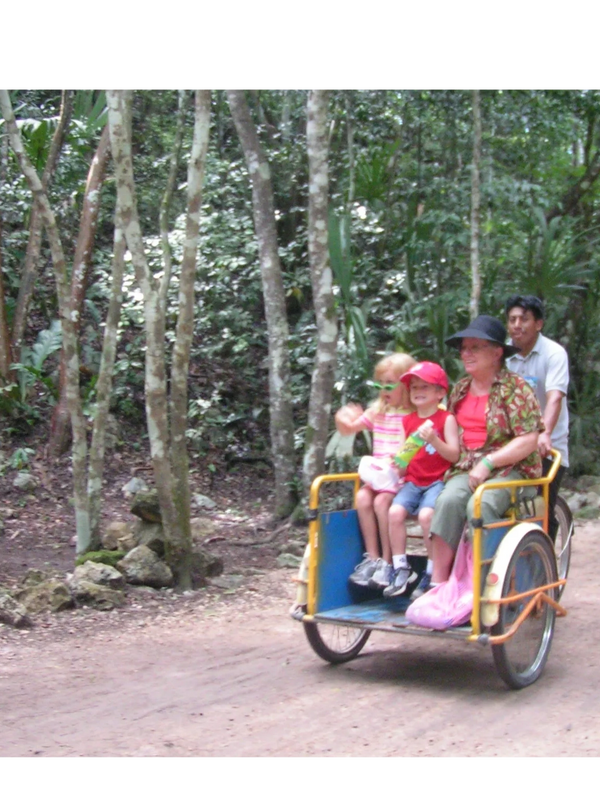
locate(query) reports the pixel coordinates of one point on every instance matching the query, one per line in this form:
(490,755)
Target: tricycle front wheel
(521,658)
(335,643)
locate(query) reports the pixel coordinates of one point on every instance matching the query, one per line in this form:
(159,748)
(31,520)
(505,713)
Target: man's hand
(544,444)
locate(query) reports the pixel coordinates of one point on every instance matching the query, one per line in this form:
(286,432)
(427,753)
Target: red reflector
(492,579)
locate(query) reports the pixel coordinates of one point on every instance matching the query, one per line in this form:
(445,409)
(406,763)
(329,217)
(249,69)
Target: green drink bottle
(411,447)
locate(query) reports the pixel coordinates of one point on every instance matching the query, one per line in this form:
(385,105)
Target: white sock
(429,567)
(400,561)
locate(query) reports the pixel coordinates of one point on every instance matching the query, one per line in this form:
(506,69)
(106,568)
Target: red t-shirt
(472,418)
(427,466)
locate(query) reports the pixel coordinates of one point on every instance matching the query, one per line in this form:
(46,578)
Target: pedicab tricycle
(518,579)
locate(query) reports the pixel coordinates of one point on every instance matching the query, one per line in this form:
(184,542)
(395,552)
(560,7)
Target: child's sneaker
(363,571)
(297,612)
(401,580)
(423,586)
(382,575)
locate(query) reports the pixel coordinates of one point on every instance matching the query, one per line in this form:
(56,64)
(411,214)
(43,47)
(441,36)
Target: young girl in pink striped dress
(383,418)
(373,500)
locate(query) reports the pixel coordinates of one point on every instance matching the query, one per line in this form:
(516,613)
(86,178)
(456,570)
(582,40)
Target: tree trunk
(104,384)
(323,375)
(34,243)
(280,400)
(119,103)
(82,266)
(475,202)
(165,206)
(79,450)
(180,550)
(164,448)
(6,358)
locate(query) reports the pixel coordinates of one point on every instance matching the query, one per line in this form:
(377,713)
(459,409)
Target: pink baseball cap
(428,372)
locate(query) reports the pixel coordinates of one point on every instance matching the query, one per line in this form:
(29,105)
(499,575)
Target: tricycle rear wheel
(521,659)
(562,545)
(335,643)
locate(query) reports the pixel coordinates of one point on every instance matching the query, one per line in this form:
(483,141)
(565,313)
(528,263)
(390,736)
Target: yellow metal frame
(537,595)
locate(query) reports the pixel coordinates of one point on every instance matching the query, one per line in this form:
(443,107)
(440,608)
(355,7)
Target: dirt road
(236,677)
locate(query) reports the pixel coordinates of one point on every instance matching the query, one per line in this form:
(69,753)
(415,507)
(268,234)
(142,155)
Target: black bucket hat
(484,327)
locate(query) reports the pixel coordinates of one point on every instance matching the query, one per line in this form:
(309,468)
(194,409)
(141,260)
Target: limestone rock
(127,542)
(33,576)
(25,482)
(288,560)
(134,486)
(49,595)
(102,574)
(97,595)
(202,501)
(115,530)
(146,506)
(202,528)
(205,565)
(150,534)
(228,582)
(574,500)
(142,566)
(593,498)
(588,512)
(13,613)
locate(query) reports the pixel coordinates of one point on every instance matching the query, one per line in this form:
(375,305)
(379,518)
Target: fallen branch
(254,542)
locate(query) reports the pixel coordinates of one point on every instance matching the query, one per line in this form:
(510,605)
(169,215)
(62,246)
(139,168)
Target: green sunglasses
(383,387)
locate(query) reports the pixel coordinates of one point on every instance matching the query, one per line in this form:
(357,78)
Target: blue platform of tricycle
(340,602)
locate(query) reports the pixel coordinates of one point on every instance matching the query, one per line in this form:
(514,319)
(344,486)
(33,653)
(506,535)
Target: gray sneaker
(382,575)
(423,586)
(363,571)
(402,579)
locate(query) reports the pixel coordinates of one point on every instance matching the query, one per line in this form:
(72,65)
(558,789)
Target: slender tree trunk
(104,384)
(280,401)
(34,243)
(80,277)
(165,206)
(323,375)
(475,203)
(119,103)
(79,451)
(169,455)
(6,358)
(180,551)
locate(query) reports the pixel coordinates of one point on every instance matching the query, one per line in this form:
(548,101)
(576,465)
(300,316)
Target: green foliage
(110,557)
(20,457)
(400,187)
(31,370)
(341,264)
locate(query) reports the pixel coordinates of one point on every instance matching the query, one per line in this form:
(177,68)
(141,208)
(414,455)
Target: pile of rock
(133,554)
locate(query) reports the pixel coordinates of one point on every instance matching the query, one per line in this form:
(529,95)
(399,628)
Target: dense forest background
(400,245)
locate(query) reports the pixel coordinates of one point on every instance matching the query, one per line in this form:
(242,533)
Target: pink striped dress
(388,433)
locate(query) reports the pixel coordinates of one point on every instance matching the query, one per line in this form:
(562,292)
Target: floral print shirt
(512,410)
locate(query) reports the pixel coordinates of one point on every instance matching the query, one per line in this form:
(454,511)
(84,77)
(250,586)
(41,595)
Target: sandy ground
(232,675)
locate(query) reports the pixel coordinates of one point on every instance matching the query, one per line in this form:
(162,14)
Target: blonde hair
(397,364)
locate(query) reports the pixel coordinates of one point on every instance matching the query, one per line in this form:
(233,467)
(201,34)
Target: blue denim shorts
(413,498)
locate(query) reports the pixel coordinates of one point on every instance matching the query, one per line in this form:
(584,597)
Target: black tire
(521,659)
(564,536)
(335,643)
